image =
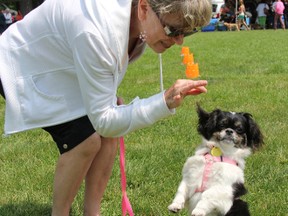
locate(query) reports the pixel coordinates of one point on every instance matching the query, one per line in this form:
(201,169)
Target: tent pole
(236,9)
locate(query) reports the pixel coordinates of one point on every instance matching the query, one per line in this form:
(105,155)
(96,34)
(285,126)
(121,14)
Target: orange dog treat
(185,51)
(192,70)
(188,59)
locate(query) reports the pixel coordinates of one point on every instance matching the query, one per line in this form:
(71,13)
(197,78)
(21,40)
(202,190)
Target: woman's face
(157,38)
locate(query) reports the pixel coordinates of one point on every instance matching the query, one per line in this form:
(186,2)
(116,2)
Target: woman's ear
(142,9)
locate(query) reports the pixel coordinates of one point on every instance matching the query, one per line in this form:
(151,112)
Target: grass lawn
(247,71)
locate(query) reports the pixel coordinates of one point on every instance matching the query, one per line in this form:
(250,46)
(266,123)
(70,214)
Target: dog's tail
(239,208)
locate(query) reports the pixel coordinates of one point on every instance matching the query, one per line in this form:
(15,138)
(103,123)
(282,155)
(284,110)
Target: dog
(213,179)
(231,26)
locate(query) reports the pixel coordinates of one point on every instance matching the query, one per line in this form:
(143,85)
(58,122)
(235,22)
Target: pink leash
(126,206)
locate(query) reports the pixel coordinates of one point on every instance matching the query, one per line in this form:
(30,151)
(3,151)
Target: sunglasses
(173,32)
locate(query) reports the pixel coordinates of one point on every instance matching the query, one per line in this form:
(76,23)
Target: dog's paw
(175,207)
(198,212)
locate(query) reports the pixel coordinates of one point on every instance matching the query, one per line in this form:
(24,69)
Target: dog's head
(230,129)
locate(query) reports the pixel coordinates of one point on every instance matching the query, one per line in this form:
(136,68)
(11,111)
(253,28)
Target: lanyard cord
(161,72)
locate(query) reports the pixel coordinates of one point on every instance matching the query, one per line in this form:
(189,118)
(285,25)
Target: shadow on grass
(28,209)
(25,209)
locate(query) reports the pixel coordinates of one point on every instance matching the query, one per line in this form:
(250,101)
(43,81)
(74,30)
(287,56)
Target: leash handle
(126,205)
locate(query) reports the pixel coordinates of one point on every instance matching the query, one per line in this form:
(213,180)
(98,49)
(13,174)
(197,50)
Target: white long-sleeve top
(66,59)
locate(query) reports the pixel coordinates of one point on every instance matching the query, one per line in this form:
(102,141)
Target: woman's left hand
(120,101)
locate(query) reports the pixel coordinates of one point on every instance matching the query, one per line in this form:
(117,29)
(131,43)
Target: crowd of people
(228,14)
(269,14)
(272,14)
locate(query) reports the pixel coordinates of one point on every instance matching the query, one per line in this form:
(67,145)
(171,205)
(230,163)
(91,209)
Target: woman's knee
(109,145)
(90,146)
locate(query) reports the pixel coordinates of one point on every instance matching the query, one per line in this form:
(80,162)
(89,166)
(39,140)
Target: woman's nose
(178,39)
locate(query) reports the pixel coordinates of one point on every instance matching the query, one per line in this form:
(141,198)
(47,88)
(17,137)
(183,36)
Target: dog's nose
(229,131)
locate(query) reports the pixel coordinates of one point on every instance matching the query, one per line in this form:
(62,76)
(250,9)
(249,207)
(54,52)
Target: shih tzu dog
(213,179)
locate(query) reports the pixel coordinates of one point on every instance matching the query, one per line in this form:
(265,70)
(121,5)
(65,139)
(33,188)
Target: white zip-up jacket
(66,59)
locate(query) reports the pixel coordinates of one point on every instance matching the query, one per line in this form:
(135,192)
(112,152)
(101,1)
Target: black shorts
(1,89)
(69,134)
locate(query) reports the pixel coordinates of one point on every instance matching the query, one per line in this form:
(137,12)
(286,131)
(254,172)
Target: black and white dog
(213,179)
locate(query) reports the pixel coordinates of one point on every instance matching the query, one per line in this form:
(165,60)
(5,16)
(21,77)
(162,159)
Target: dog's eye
(240,130)
(222,125)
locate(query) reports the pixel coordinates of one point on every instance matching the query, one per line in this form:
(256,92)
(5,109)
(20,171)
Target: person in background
(270,16)
(19,16)
(241,15)
(226,12)
(278,8)
(2,22)
(61,67)
(262,11)
(8,17)
(286,13)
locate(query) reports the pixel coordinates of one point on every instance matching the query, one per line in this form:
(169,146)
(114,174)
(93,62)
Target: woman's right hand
(175,95)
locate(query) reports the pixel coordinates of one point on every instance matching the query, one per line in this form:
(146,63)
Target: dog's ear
(206,122)
(203,116)
(254,135)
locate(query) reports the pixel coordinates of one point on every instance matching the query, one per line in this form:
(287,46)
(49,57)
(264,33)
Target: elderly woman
(61,67)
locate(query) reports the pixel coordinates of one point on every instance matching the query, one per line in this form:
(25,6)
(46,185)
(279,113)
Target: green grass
(247,71)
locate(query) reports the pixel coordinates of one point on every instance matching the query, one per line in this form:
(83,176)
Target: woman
(241,15)
(278,8)
(61,67)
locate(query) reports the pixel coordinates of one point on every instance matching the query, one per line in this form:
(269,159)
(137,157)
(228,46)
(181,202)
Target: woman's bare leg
(239,24)
(246,26)
(98,175)
(275,21)
(71,169)
(282,22)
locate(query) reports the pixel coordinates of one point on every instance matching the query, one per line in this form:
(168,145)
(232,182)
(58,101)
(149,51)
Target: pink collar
(207,169)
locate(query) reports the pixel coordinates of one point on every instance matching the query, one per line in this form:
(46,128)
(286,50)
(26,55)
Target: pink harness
(210,160)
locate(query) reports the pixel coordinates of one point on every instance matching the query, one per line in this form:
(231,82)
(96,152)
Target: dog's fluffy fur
(231,26)
(237,135)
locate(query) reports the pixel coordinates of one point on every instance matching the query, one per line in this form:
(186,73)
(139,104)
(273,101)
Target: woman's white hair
(193,13)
